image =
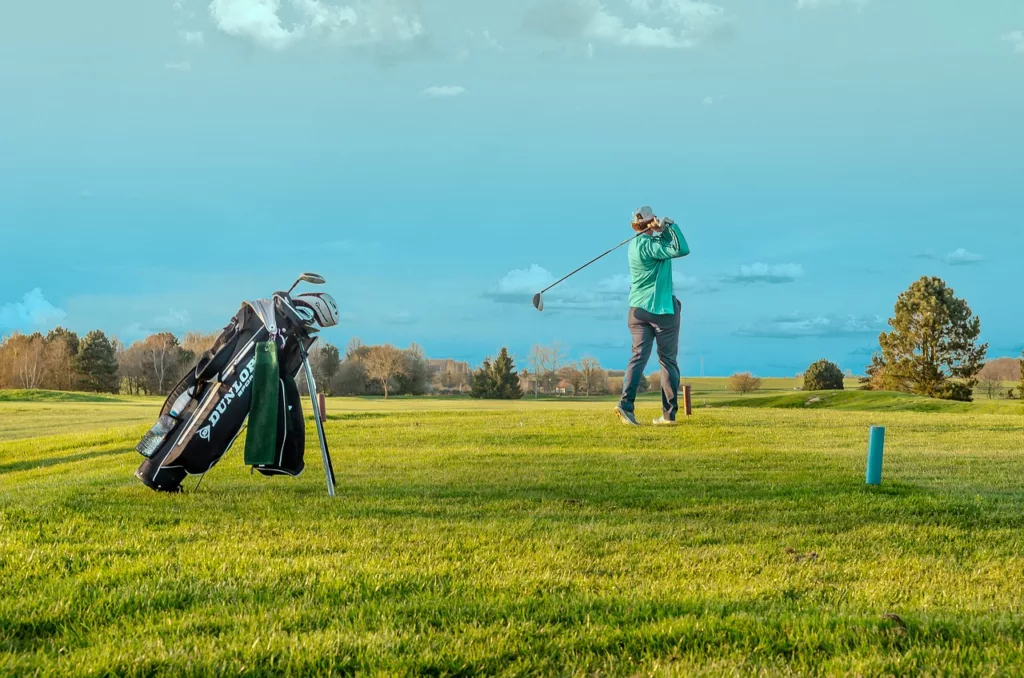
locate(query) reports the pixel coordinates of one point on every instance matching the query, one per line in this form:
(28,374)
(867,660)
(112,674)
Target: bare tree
(26,356)
(990,387)
(131,369)
(554,357)
(162,356)
(572,375)
(383,363)
(743,383)
(593,375)
(197,343)
(537,360)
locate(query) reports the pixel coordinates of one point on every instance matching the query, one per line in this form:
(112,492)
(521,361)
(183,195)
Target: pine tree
(96,364)
(932,349)
(823,375)
(483,381)
(504,378)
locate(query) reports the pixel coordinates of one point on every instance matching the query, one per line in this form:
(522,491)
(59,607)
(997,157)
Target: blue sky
(439,161)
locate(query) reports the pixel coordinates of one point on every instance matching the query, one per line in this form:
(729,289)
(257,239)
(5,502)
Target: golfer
(653,312)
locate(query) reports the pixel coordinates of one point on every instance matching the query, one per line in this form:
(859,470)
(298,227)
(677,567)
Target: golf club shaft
(624,242)
(328,466)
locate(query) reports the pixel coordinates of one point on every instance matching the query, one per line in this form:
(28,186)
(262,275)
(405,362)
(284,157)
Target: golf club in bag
(207,409)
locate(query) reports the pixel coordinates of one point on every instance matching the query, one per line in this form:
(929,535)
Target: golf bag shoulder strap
(216,359)
(264,309)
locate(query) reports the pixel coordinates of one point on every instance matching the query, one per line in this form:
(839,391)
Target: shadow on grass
(55,461)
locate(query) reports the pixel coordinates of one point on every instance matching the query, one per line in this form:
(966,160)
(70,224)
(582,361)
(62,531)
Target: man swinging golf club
(653,312)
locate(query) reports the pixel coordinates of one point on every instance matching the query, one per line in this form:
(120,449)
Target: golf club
(328,466)
(538,299)
(311,278)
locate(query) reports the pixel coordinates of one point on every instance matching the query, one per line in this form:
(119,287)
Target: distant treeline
(931,349)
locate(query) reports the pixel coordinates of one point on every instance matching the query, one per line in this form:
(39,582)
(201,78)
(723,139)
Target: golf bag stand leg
(328,467)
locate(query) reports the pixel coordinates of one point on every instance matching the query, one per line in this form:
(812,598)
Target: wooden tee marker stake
(687,401)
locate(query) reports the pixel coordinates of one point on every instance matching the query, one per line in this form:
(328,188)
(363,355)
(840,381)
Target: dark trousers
(646,329)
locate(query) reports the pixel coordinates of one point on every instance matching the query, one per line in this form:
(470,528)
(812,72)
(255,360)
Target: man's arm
(671,244)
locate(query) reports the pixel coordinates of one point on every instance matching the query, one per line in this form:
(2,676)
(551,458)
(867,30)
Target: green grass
(525,538)
(868,401)
(41,396)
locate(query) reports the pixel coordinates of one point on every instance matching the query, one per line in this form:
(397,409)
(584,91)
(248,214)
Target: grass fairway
(522,539)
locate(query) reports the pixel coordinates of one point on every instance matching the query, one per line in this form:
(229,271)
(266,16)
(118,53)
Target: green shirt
(650,269)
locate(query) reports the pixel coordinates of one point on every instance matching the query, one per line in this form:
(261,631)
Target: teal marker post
(876,445)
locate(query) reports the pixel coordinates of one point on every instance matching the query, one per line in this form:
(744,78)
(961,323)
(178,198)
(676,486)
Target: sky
(440,161)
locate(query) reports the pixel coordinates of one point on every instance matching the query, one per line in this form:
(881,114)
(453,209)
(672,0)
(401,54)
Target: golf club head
(311,278)
(538,302)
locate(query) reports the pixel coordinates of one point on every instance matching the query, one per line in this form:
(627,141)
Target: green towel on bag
(261,437)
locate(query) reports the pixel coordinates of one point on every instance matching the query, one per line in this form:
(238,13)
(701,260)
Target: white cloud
(1016,40)
(961,257)
(708,101)
(521,284)
(608,298)
(255,20)
(798,325)
(192,37)
(32,313)
(178,66)
(363,23)
(688,23)
(444,91)
(764,273)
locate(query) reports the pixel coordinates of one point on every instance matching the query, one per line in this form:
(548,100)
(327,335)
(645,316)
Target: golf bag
(208,408)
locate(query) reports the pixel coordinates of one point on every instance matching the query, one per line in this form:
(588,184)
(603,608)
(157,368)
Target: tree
(572,375)
(744,383)
(1021,391)
(654,381)
(197,343)
(932,349)
(823,375)
(545,362)
(61,349)
(131,370)
(384,363)
(415,376)
(497,380)
(990,387)
(504,377)
(537,360)
(483,381)
(25,360)
(594,379)
(96,363)
(325,361)
(162,361)
(555,357)
(351,378)
(874,379)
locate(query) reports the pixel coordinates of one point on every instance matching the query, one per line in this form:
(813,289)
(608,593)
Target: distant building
(449,376)
(448,365)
